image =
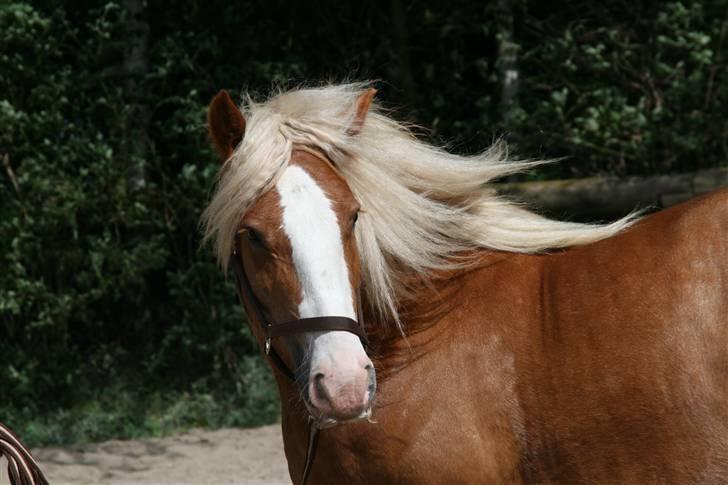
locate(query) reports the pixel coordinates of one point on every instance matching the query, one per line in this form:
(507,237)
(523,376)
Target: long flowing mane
(422,207)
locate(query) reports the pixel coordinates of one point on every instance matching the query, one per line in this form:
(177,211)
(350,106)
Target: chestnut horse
(508,348)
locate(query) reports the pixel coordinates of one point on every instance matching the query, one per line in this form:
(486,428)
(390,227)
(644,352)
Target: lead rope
(313,437)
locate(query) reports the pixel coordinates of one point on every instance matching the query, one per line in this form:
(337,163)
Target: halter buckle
(267,346)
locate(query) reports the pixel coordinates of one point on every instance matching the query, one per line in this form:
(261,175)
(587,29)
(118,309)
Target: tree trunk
(135,145)
(507,57)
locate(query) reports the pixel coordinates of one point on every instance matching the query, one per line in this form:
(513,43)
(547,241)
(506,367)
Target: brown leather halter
(302,325)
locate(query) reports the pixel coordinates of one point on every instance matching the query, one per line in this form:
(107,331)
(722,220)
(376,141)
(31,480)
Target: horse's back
(632,354)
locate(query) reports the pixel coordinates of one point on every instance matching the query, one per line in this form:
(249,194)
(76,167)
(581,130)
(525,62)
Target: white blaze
(318,251)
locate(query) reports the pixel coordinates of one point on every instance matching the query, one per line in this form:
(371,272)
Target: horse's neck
(432,296)
(425,314)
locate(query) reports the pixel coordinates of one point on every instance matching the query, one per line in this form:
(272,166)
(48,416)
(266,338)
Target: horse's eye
(255,238)
(354,218)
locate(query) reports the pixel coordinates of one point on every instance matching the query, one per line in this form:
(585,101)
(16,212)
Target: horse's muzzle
(337,395)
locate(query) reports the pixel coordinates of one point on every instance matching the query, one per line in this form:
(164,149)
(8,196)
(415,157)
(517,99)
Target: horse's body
(561,353)
(605,363)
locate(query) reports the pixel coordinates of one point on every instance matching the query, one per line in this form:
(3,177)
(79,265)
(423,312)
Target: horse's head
(296,248)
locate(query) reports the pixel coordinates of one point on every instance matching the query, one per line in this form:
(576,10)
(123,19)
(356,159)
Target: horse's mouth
(323,422)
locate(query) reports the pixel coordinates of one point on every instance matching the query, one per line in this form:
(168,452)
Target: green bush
(629,88)
(113,320)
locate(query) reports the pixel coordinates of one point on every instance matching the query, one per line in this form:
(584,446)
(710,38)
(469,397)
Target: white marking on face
(318,251)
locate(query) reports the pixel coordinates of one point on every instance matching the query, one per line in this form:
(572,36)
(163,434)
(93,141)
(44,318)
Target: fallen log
(609,197)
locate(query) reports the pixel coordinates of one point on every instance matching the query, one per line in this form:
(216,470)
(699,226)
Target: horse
(22,467)
(489,344)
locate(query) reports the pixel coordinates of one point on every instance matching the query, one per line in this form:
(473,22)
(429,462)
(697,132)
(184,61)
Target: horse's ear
(225,124)
(362,108)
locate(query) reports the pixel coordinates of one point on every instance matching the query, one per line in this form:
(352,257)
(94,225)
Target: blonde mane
(422,207)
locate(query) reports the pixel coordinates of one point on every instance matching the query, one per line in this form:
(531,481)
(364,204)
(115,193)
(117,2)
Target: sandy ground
(244,456)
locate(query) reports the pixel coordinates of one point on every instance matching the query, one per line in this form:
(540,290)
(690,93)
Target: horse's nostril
(368,367)
(318,385)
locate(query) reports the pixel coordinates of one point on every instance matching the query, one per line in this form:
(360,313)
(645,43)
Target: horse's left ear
(225,123)
(362,108)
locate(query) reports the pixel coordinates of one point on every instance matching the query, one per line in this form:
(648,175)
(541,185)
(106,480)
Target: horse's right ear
(225,124)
